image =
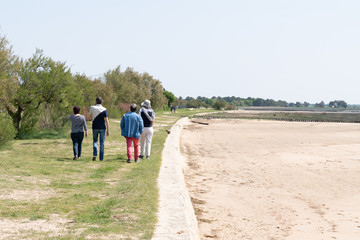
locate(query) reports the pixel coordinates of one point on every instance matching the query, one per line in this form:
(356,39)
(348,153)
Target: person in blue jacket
(131,128)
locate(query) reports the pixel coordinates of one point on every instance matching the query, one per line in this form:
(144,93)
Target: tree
(219,104)
(158,100)
(170,97)
(86,90)
(338,104)
(7,130)
(281,103)
(299,104)
(259,102)
(230,107)
(269,102)
(9,65)
(8,68)
(342,104)
(320,105)
(193,103)
(132,87)
(291,104)
(41,81)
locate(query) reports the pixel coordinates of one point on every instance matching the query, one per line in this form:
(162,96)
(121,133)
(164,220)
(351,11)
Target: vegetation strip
(340,117)
(46,191)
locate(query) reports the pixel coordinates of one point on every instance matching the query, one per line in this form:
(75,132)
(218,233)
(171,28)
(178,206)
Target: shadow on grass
(87,159)
(45,134)
(30,143)
(67,160)
(114,159)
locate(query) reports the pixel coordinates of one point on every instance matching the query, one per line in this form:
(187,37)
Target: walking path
(176,215)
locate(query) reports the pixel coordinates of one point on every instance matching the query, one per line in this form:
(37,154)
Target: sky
(292,50)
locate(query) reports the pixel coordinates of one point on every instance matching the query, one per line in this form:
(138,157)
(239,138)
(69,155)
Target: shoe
(137,160)
(75,158)
(147,157)
(94,158)
(128,161)
(141,156)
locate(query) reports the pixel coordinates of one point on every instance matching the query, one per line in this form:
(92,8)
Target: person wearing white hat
(148,116)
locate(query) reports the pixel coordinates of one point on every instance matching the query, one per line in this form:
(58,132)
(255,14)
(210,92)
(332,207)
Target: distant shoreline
(288,115)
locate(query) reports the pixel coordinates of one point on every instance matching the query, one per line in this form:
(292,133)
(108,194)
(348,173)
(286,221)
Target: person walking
(100,125)
(131,128)
(78,125)
(148,116)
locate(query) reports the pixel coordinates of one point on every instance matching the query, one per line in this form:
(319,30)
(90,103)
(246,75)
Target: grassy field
(351,117)
(47,195)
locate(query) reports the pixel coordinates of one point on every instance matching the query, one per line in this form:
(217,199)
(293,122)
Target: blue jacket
(131,125)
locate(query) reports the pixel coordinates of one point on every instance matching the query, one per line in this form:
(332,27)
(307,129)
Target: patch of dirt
(20,229)
(110,236)
(27,194)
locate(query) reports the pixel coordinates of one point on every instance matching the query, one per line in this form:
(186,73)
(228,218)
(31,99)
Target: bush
(230,107)
(219,104)
(7,129)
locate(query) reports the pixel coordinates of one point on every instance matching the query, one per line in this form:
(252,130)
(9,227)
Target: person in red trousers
(131,128)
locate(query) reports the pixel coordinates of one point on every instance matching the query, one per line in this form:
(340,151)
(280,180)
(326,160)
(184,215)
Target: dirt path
(274,180)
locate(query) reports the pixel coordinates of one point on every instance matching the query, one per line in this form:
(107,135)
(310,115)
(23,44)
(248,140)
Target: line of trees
(229,103)
(39,92)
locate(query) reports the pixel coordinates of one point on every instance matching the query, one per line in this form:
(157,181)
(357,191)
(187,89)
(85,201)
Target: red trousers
(129,141)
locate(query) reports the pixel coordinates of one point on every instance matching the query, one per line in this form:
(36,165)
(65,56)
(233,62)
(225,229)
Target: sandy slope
(253,179)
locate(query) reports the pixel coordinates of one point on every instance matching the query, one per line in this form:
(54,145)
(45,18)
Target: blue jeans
(77,139)
(96,133)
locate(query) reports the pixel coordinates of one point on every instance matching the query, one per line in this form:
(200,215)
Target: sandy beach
(251,179)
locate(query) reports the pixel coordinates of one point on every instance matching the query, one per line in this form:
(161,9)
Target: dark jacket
(147,116)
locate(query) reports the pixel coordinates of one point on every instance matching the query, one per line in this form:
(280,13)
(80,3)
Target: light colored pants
(146,136)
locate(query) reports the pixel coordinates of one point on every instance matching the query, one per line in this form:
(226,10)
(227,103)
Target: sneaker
(128,161)
(75,158)
(137,160)
(94,158)
(147,157)
(141,156)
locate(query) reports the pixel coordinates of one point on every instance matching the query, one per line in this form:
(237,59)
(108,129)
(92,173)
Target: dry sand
(258,180)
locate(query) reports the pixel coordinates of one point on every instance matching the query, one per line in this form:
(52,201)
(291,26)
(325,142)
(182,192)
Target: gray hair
(133,107)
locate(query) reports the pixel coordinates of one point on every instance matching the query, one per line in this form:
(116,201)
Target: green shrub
(230,107)
(7,129)
(219,104)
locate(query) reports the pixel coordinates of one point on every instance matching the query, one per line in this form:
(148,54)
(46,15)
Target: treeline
(39,93)
(230,103)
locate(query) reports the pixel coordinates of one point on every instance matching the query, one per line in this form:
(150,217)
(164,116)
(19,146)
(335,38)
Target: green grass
(45,134)
(84,199)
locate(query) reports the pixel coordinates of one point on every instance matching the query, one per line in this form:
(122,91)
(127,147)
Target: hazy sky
(292,50)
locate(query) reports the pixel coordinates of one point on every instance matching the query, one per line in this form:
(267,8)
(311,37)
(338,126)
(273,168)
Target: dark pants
(77,139)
